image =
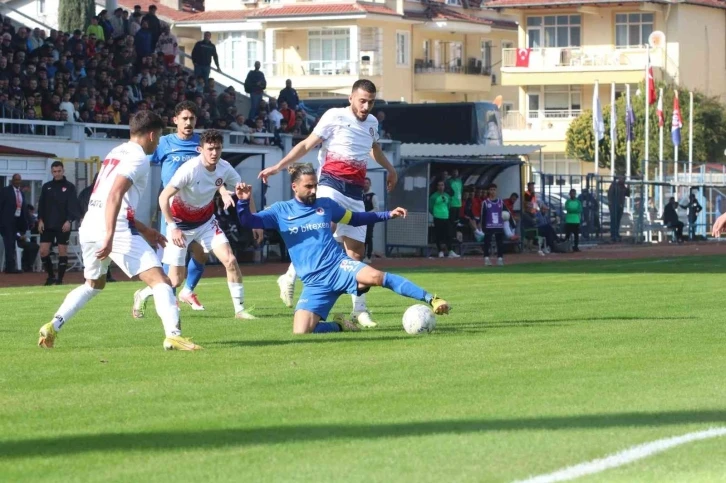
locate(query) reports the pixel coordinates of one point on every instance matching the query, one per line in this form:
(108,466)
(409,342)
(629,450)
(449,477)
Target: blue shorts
(319,297)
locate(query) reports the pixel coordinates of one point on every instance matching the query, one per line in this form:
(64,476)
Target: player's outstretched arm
(300,150)
(368,218)
(244,207)
(382,160)
(120,187)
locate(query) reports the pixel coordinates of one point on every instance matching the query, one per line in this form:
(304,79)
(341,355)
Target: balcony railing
(543,119)
(321,68)
(422,66)
(597,57)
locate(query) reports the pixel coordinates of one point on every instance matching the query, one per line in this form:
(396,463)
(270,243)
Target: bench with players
(192,173)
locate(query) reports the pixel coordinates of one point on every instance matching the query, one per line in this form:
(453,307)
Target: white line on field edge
(624,457)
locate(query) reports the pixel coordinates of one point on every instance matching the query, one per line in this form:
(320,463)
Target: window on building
(41,7)
(403,46)
(554,31)
(454,2)
(633,29)
(328,51)
(486,55)
(554,102)
(426,51)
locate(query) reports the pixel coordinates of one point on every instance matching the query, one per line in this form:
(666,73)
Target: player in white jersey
(350,137)
(110,231)
(187,204)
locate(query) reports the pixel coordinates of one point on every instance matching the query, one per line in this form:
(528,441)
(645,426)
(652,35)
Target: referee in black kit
(57,210)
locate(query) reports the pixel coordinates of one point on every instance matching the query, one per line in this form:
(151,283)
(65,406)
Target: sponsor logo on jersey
(349,265)
(219,182)
(372,131)
(320,211)
(294,230)
(63,189)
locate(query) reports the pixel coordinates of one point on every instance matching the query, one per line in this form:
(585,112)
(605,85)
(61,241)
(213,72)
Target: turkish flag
(523,57)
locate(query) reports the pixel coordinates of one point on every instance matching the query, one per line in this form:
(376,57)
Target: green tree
(709,131)
(75,14)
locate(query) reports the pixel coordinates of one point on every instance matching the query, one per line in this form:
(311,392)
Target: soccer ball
(505,216)
(418,319)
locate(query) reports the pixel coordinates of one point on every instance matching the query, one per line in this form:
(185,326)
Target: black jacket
(203,53)
(58,204)
(289,95)
(7,211)
(255,82)
(670,215)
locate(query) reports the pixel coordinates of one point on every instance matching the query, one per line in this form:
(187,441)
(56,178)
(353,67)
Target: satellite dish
(498,101)
(656,39)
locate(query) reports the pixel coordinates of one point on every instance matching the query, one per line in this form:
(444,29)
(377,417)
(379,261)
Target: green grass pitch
(538,367)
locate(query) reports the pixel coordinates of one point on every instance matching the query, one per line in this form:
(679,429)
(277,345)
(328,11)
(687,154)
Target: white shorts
(209,236)
(357,233)
(130,252)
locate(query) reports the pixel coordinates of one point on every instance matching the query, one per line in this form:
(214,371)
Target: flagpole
(613,132)
(627,146)
(660,162)
(690,137)
(596,94)
(644,201)
(675,154)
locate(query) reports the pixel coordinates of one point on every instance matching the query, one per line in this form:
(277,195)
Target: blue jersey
(306,230)
(172,153)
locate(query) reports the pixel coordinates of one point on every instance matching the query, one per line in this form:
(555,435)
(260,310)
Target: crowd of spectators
(118,66)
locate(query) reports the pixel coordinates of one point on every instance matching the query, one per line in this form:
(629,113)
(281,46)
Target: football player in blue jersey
(174,150)
(327,272)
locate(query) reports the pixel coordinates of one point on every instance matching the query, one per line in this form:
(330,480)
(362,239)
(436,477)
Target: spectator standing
(491,219)
(476,203)
(57,210)
(616,200)
(168,46)
(135,24)
(289,95)
(573,210)
(670,218)
(144,41)
(589,221)
(694,208)
(439,204)
(370,201)
(154,24)
(105,24)
(118,29)
(255,85)
(13,220)
(382,133)
(454,186)
(26,243)
(202,54)
(94,29)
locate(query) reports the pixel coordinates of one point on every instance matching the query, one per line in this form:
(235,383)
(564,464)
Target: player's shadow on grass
(313,339)
(271,435)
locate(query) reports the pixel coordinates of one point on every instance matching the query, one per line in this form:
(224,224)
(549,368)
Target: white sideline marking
(624,457)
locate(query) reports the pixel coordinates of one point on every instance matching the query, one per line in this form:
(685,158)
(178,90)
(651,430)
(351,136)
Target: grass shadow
(272,435)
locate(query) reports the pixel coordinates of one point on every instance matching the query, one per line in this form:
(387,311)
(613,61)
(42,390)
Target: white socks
(291,273)
(146,292)
(74,301)
(359,303)
(237,290)
(167,309)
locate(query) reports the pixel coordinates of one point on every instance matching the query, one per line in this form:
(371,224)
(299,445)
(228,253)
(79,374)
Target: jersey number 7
(105,171)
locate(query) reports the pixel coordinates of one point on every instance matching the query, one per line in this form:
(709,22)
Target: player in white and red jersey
(187,204)
(350,138)
(110,232)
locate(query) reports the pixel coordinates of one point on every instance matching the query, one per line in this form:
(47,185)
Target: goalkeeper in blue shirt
(305,223)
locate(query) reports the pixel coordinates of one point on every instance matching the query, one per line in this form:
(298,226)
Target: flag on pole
(613,123)
(659,111)
(677,122)
(651,83)
(629,122)
(598,124)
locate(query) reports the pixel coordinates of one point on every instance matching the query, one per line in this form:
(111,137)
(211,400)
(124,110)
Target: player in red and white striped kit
(187,204)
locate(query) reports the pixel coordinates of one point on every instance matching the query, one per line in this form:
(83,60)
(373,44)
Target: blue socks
(405,287)
(194,274)
(324,327)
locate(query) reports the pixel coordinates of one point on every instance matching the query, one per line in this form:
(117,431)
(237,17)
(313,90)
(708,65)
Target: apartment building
(417,51)
(574,44)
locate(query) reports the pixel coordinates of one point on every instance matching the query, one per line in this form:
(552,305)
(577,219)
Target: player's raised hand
(399,212)
(719,225)
(391,180)
(267,172)
(244,191)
